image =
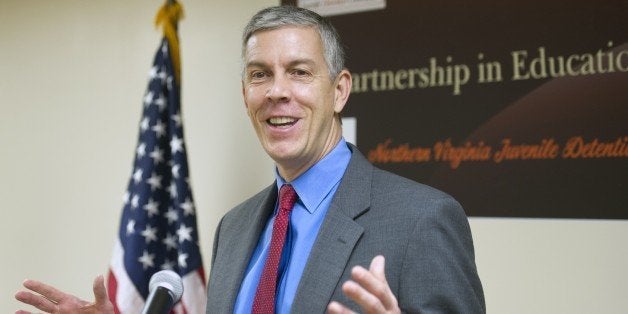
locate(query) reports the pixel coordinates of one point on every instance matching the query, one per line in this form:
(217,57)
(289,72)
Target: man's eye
(300,73)
(258,75)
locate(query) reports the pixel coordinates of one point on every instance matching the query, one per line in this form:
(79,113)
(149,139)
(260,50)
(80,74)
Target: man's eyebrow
(255,64)
(260,64)
(306,61)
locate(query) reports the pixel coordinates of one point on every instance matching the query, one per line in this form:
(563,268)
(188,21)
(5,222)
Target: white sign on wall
(337,7)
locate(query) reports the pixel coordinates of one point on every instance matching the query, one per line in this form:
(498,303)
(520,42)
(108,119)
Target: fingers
(337,308)
(100,292)
(374,287)
(369,289)
(377,267)
(49,292)
(35,300)
(366,300)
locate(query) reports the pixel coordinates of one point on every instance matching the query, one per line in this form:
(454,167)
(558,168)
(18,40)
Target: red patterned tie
(264,302)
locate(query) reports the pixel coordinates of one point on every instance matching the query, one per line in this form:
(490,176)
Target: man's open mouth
(282,121)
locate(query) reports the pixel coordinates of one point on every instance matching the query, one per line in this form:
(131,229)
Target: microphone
(165,289)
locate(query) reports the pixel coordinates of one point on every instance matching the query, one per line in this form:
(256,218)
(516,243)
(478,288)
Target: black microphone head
(169,280)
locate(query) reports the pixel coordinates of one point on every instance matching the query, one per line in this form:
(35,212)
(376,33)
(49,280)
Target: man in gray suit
(353,237)
(416,239)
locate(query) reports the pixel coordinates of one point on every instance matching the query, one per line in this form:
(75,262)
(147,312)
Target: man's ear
(342,90)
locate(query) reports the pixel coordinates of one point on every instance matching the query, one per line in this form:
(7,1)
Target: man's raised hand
(52,300)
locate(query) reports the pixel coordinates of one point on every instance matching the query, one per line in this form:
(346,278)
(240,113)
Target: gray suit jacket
(423,233)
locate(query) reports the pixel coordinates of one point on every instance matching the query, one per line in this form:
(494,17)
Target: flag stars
(157,155)
(170,242)
(148,99)
(176,145)
(183,260)
(169,82)
(147,260)
(172,190)
(160,129)
(130,227)
(175,170)
(167,265)
(172,215)
(149,234)
(151,208)
(188,207)
(177,119)
(184,233)
(161,102)
(153,72)
(135,202)
(137,176)
(144,124)
(162,76)
(141,150)
(154,181)
(126,197)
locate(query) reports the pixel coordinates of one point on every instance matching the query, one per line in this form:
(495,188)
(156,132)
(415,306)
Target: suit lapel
(336,239)
(236,250)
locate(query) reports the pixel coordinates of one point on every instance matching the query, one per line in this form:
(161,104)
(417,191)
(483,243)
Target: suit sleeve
(439,273)
(216,238)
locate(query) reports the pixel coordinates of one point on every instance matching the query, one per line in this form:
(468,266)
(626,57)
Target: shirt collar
(316,183)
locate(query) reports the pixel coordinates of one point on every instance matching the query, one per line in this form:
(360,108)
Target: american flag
(158,226)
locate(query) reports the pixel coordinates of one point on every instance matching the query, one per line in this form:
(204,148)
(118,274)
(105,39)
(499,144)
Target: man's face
(290,97)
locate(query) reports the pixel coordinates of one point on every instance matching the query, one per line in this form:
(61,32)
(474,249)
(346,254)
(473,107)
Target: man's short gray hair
(279,16)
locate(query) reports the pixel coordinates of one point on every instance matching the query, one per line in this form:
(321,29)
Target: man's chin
(282,150)
(282,158)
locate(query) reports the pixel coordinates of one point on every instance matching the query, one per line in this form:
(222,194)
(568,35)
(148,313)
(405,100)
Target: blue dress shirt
(316,188)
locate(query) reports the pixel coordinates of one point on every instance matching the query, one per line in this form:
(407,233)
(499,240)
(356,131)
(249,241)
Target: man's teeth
(281,120)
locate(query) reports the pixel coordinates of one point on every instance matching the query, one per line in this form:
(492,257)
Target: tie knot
(287,197)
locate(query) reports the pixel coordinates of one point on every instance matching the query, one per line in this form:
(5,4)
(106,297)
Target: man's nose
(279,90)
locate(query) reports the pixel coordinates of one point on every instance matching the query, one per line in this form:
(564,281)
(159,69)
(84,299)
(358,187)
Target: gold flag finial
(168,17)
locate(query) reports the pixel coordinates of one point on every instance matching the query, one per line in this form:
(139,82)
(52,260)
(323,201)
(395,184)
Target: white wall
(72,75)
(552,266)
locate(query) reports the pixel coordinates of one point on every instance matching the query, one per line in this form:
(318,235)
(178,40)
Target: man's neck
(290,172)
